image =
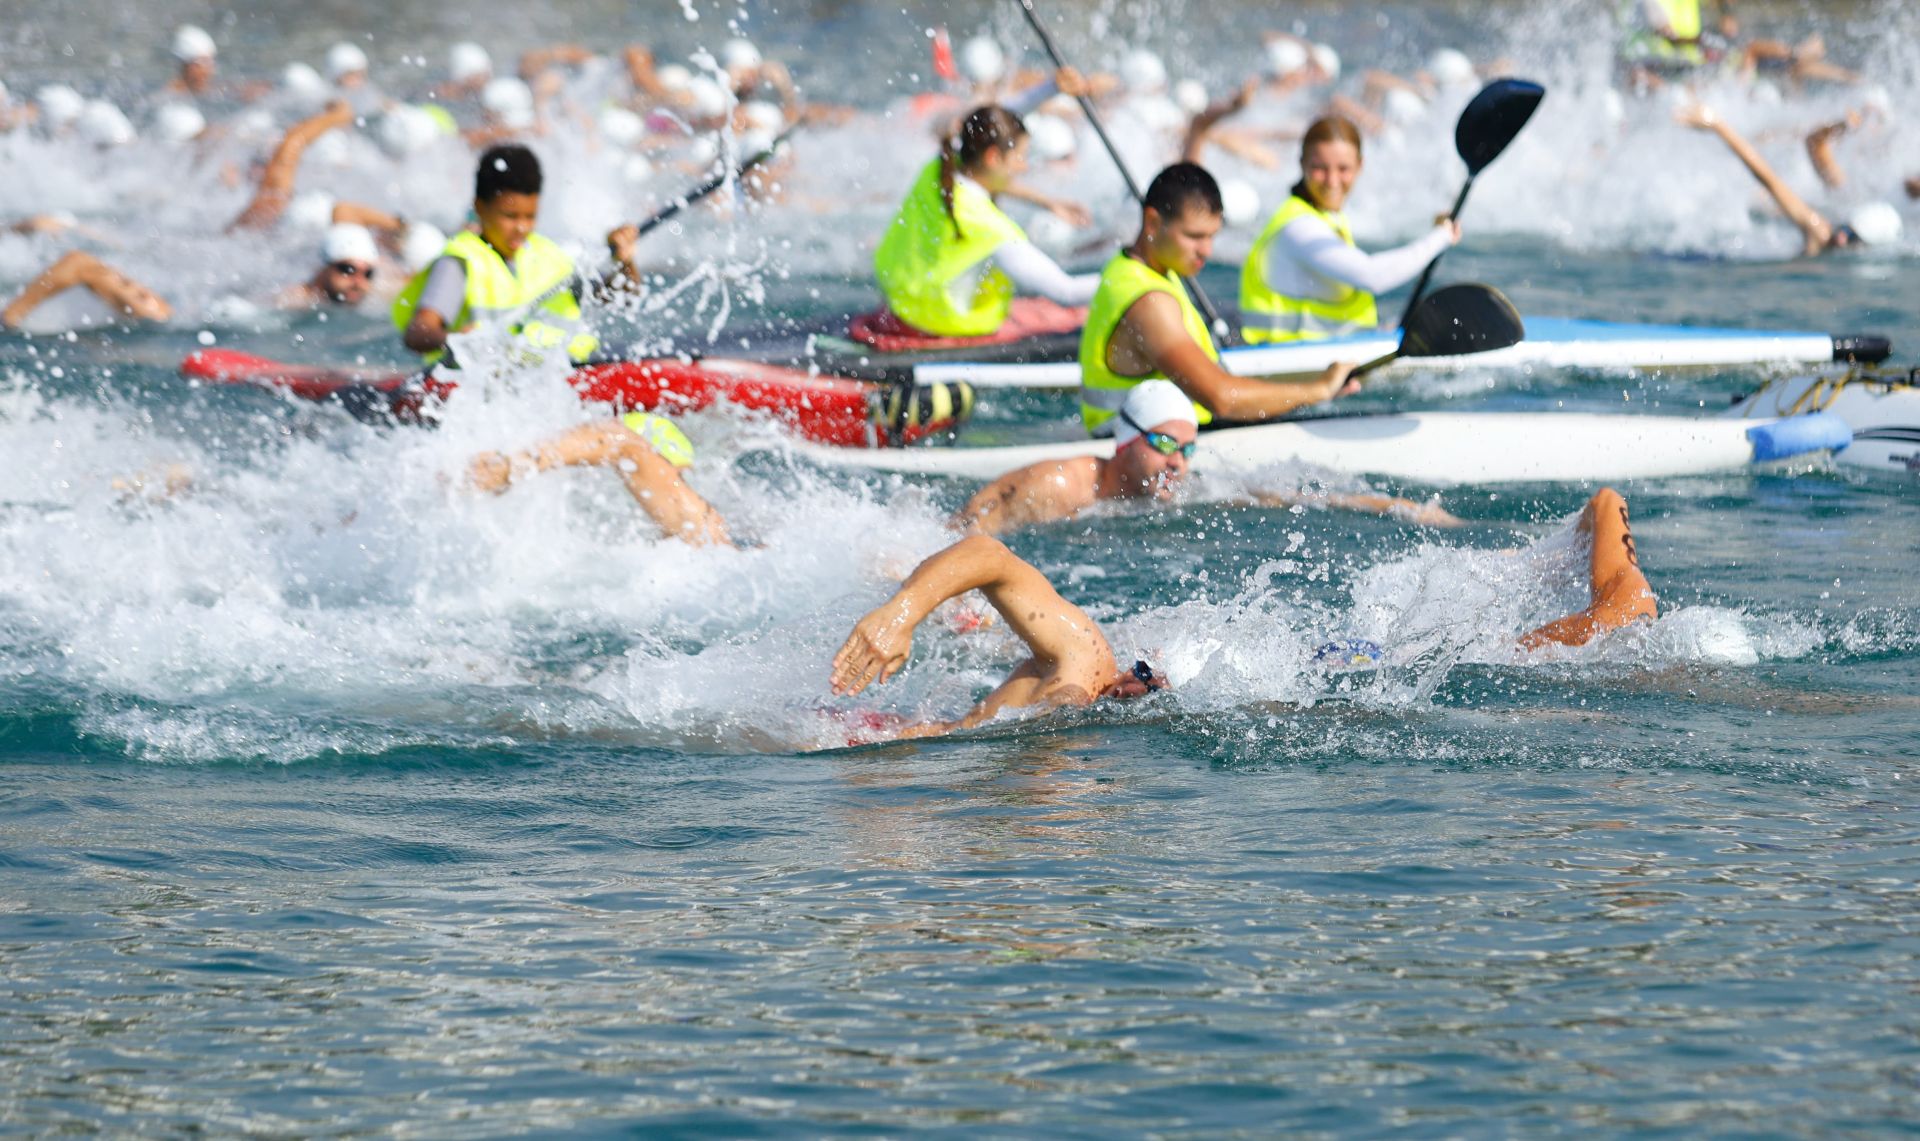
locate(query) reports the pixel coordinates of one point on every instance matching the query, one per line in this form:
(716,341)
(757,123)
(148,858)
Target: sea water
(338,800)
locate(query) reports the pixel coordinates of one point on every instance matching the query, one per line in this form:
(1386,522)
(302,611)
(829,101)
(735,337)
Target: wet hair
(1327,129)
(1182,185)
(980,132)
(506,169)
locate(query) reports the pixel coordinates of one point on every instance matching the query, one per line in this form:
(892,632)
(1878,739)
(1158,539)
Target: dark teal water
(336,802)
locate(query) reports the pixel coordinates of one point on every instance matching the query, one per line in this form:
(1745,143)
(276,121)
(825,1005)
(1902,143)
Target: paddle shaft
(660,217)
(1221,330)
(1426,275)
(1377,362)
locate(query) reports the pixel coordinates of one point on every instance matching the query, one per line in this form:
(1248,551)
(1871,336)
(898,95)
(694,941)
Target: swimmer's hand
(1699,116)
(490,471)
(876,649)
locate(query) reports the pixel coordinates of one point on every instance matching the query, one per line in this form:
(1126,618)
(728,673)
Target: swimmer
(349,265)
(506,272)
(647,450)
(124,295)
(275,190)
(1071,663)
(1143,325)
(1305,279)
(194,50)
(951,261)
(1155,435)
(1875,223)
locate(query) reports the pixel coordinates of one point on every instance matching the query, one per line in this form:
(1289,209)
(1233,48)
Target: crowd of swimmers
(953,267)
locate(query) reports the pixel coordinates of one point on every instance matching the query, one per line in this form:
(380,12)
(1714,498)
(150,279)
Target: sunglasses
(348,269)
(1161,442)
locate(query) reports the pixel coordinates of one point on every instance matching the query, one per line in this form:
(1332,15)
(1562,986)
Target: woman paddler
(952,261)
(1305,279)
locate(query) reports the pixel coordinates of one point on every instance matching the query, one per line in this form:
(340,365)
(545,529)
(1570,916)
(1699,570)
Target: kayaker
(1071,663)
(1143,325)
(1155,435)
(505,269)
(1305,279)
(951,261)
(1872,223)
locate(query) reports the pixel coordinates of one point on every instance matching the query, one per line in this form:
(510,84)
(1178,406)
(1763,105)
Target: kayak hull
(1429,448)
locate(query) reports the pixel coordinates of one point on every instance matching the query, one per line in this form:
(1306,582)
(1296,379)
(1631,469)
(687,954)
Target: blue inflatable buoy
(1798,435)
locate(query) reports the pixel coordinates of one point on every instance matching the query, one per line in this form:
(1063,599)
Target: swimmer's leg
(1620,594)
(650,473)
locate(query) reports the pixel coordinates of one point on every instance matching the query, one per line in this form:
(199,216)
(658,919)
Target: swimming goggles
(348,269)
(1159,441)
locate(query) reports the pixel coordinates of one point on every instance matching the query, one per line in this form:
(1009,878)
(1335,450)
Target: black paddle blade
(1461,319)
(1492,120)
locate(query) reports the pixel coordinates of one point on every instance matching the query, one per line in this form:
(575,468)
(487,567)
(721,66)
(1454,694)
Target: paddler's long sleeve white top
(1307,259)
(1035,274)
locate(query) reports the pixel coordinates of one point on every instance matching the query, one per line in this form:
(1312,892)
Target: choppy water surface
(337,801)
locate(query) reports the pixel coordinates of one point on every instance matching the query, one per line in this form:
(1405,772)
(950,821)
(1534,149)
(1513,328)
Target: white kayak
(1551,342)
(1882,412)
(1431,448)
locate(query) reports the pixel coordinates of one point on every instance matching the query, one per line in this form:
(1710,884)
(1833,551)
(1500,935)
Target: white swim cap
(311,210)
(304,84)
(753,142)
(674,76)
(1403,107)
(60,105)
(343,60)
(1142,72)
(1877,223)
(1327,60)
(637,168)
(422,244)
(103,124)
(1150,404)
(1284,57)
(621,127)
(739,55)
(406,129)
(348,242)
(510,99)
(1190,95)
(1450,68)
(761,115)
(179,122)
(1053,137)
(703,150)
(982,61)
(191,43)
(1241,201)
(709,98)
(467,60)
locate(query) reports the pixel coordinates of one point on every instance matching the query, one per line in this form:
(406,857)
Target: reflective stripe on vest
(1267,316)
(497,292)
(1683,22)
(924,255)
(1123,282)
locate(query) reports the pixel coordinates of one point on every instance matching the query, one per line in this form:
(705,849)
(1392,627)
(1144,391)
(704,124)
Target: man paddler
(505,273)
(1143,325)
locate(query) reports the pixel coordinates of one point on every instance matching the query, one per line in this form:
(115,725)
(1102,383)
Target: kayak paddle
(1222,332)
(1487,125)
(1456,320)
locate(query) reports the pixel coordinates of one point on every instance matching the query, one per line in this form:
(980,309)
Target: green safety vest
(1683,19)
(1266,316)
(924,252)
(1124,281)
(497,292)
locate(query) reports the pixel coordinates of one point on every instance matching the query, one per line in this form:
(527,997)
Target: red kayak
(823,409)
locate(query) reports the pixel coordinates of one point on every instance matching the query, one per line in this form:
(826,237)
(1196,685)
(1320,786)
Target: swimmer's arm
(1071,212)
(1814,228)
(372,217)
(1820,151)
(124,294)
(276,182)
(1427,514)
(536,61)
(1155,329)
(1063,640)
(1209,116)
